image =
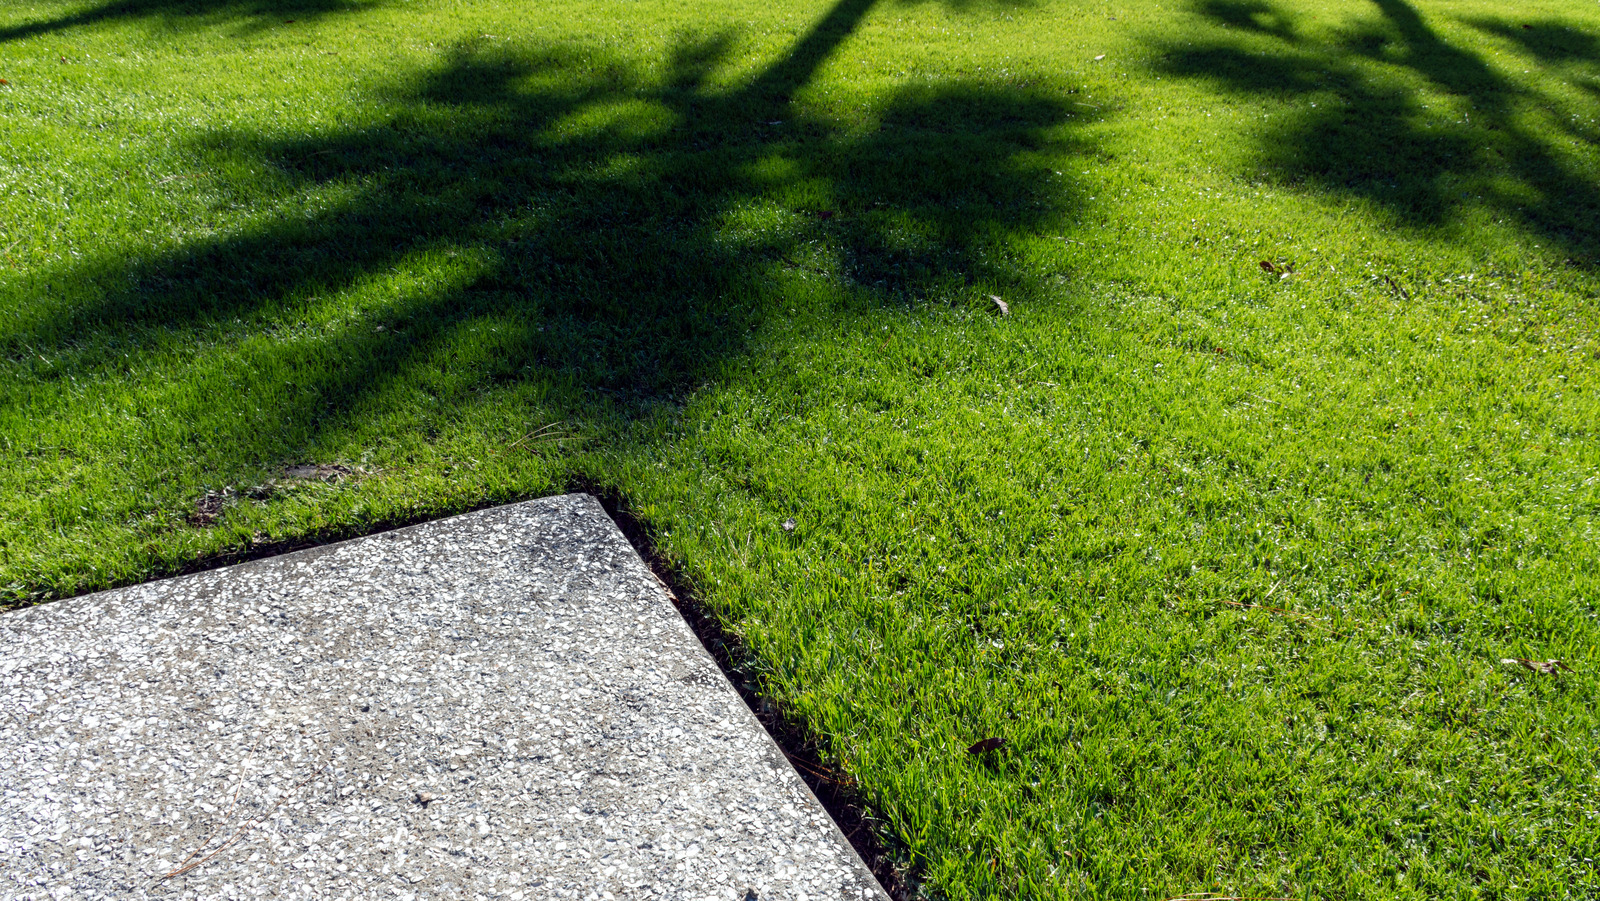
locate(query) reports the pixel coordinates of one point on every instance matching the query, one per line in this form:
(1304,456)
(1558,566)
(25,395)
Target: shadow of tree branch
(1369,135)
(250,14)
(569,222)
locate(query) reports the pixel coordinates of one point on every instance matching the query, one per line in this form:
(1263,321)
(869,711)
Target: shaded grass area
(1287,442)
(242,16)
(1376,136)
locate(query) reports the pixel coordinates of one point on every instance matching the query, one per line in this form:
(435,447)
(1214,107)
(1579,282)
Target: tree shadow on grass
(250,14)
(598,233)
(1547,40)
(1362,129)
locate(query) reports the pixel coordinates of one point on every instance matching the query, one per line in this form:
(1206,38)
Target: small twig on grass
(549,432)
(1548,667)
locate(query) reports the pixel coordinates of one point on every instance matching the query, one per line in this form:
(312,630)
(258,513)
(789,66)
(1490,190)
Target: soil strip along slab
(500,705)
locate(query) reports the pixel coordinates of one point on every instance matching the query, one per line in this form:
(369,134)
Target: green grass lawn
(1289,439)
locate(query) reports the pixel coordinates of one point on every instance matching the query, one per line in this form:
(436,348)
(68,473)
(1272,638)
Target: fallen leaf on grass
(1548,667)
(1100,57)
(987,745)
(1005,308)
(789,524)
(4,83)
(1281,270)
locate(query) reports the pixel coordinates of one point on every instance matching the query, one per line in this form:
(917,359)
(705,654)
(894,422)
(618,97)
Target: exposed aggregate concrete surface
(500,705)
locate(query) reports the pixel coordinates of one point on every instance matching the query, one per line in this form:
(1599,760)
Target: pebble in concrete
(500,705)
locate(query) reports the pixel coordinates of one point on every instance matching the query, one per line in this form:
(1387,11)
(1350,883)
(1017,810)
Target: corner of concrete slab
(280,641)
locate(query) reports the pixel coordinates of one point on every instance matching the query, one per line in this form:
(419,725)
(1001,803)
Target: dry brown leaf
(1005,308)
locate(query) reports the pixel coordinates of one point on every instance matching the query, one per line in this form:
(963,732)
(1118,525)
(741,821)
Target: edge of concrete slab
(846,807)
(720,647)
(711,642)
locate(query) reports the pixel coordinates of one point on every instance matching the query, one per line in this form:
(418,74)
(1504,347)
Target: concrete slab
(500,705)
